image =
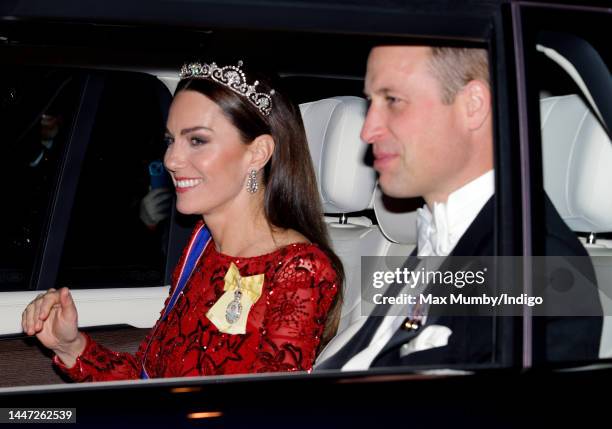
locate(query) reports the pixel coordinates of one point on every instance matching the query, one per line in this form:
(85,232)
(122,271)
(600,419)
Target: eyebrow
(383,91)
(192,129)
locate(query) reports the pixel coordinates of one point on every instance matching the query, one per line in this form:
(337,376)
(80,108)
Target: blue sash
(196,248)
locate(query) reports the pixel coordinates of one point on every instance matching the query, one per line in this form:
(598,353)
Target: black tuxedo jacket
(473,339)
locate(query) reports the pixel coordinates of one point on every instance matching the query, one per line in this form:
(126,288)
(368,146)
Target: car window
(109,242)
(570,86)
(37,107)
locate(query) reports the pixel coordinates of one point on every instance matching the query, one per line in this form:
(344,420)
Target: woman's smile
(184,184)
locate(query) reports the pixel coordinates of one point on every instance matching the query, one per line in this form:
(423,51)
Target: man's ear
(476,98)
(261,150)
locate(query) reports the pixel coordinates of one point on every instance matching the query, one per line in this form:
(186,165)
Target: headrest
(396,217)
(577,163)
(333,125)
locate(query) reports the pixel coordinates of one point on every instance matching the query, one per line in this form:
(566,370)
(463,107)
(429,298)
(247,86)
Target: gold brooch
(230,312)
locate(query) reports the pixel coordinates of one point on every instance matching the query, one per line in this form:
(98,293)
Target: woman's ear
(261,150)
(477,101)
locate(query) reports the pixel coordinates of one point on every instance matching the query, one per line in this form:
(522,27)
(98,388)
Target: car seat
(577,167)
(346,185)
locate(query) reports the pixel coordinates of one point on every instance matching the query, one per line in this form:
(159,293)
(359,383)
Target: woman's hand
(52,317)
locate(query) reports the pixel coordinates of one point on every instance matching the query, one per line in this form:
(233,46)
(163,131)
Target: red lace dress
(283,328)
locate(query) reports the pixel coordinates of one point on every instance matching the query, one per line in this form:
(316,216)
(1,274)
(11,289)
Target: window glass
(110,243)
(571,76)
(37,107)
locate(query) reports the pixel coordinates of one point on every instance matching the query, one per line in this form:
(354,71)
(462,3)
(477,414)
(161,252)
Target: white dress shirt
(439,230)
(437,235)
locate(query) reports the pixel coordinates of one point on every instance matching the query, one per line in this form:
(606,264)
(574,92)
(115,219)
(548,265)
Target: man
(430,125)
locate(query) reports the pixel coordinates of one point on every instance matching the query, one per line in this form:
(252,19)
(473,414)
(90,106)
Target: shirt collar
(439,229)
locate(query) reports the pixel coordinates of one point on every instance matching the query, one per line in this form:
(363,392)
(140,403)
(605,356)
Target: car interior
(361,220)
(577,155)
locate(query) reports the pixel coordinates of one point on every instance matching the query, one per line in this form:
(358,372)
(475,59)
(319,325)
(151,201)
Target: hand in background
(155,206)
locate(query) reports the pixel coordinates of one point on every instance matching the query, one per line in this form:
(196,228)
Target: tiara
(233,78)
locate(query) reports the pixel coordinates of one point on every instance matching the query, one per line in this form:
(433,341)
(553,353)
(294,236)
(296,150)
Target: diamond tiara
(233,78)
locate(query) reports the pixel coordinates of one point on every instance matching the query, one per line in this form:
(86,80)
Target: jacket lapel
(476,241)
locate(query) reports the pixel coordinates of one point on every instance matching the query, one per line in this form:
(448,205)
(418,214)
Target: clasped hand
(52,317)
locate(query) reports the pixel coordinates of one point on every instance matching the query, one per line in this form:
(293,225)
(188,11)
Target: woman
(258,288)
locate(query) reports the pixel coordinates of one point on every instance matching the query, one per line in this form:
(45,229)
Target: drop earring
(252,185)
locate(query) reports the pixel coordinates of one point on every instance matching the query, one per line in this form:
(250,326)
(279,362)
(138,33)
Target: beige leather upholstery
(577,158)
(397,219)
(346,185)
(577,164)
(332,127)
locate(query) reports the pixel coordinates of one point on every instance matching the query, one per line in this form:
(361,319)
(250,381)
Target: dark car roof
(330,37)
(204,10)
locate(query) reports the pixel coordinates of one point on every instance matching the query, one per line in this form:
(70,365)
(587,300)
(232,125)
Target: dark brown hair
(291,199)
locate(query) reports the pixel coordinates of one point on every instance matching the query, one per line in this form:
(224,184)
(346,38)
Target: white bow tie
(439,232)
(434,235)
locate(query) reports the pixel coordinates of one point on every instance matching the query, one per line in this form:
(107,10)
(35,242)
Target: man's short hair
(455,67)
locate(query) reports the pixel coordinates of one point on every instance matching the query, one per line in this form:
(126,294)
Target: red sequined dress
(283,328)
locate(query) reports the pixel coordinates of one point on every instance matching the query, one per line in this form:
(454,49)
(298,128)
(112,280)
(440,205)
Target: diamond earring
(252,185)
